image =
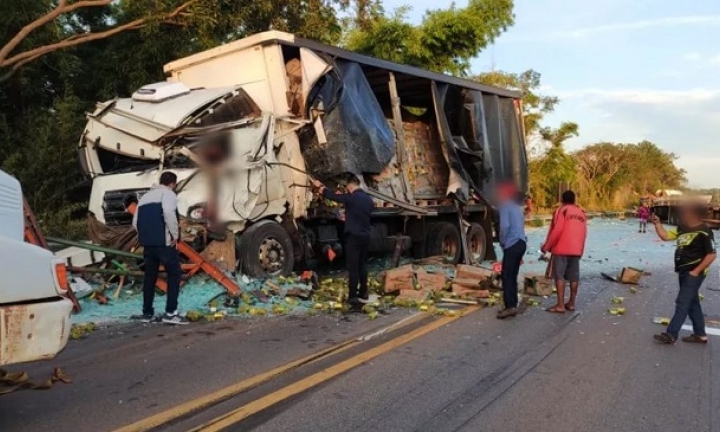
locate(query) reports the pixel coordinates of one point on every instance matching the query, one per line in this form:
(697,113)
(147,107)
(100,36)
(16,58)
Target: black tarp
(472,126)
(506,146)
(359,138)
(481,138)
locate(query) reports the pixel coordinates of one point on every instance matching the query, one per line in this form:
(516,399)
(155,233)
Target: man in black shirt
(358,209)
(694,253)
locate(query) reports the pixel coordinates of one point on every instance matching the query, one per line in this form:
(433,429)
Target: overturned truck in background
(244,123)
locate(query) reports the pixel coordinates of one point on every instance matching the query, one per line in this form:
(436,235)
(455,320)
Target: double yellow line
(297,387)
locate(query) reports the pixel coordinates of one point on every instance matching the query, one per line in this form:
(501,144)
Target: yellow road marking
(243,412)
(195,405)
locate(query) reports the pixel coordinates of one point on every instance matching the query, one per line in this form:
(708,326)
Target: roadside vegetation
(59,57)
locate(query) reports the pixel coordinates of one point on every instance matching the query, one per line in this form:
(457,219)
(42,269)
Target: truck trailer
(244,126)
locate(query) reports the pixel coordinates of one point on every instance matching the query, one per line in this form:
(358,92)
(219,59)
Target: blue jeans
(688,303)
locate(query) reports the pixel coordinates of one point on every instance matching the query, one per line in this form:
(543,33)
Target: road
(587,371)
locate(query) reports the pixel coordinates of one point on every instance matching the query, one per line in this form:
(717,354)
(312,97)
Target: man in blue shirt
(358,209)
(513,243)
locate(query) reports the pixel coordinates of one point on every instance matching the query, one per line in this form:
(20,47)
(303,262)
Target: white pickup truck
(34,314)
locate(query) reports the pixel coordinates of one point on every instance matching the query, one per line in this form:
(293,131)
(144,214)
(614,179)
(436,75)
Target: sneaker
(175,319)
(355,304)
(145,318)
(506,313)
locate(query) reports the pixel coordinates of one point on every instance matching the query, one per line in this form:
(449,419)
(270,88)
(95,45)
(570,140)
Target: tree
(535,105)
(614,175)
(42,104)
(12,60)
(213,22)
(445,41)
(554,167)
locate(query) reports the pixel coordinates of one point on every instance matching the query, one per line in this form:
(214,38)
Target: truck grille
(114,209)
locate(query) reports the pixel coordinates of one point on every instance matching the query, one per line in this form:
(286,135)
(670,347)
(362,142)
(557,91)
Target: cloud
(711,20)
(715,60)
(644,96)
(680,121)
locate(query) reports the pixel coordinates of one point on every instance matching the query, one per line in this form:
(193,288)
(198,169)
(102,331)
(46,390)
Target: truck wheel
(265,249)
(477,242)
(443,239)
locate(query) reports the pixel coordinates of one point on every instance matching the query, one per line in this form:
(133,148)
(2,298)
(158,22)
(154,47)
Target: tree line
(59,57)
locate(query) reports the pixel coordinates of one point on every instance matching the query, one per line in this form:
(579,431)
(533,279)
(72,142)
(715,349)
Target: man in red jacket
(566,242)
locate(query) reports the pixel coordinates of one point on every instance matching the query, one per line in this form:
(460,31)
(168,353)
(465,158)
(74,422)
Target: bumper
(36,331)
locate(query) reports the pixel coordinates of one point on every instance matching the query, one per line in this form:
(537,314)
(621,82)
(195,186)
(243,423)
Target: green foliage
(554,167)
(42,105)
(445,41)
(535,105)
(616,175)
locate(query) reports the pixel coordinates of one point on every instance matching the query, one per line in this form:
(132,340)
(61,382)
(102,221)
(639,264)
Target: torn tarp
(481,139)
(357,137)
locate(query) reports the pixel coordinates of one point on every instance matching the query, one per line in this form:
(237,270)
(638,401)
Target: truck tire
(265,250)
(443,239)
(476,243)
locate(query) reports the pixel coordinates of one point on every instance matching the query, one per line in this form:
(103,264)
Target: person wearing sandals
(566,242)
(694,252)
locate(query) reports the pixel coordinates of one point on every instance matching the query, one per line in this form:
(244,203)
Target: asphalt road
(587,371)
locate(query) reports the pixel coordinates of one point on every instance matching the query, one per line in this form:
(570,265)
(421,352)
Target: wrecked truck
(244,125)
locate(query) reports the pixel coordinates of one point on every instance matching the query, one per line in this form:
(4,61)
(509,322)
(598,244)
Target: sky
(625,71)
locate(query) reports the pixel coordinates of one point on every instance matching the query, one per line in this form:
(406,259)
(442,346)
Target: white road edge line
(384,330)
(708,330)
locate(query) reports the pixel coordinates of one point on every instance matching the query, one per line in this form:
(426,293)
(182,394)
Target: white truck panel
(11,208)
(129,180)
(35,331)
(27,272)
(131,128)
(246,69)
(259,70)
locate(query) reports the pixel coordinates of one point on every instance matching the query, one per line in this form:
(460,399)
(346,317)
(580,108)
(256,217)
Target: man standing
(566,242)
(156,223)
(358,209)
(694,253)
(514,245)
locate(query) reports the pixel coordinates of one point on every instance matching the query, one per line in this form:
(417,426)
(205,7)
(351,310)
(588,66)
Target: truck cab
(34,314)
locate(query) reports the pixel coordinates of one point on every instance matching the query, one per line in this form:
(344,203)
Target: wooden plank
(400,144)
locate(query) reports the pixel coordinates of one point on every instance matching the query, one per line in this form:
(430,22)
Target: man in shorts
(566,242)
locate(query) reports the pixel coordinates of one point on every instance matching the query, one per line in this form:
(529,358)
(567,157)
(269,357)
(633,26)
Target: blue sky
(625,70)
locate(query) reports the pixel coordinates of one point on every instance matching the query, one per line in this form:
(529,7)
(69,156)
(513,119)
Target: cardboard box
(416,295)
(398,279)
(538,285)
(432,281)
(478,274)
(630,275)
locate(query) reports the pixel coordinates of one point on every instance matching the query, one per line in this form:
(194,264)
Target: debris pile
(426,285)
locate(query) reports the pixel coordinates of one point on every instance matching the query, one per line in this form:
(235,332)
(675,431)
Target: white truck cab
(34,314)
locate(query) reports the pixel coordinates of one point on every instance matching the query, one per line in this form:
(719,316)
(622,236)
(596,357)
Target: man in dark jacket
(156,223)
(358,209)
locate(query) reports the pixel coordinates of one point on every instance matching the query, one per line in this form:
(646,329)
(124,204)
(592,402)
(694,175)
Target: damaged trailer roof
(146,120)
(283,38)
